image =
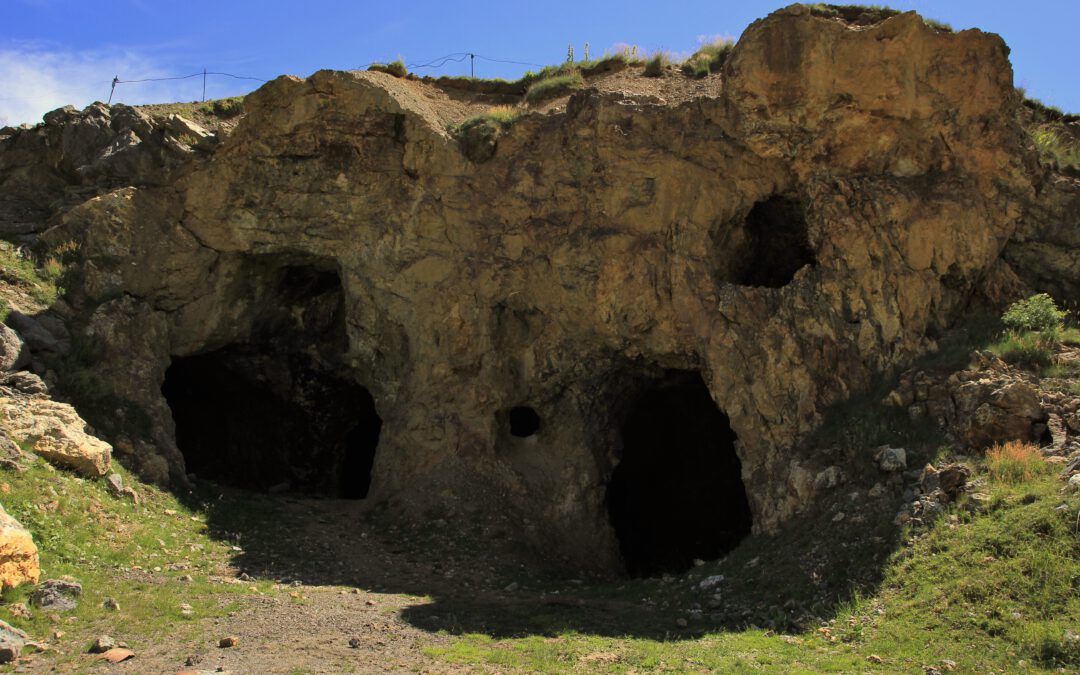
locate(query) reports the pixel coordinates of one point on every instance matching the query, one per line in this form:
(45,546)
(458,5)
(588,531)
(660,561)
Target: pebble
(111,604)
(354,643)
(681,622)
(511,587)
(227,642)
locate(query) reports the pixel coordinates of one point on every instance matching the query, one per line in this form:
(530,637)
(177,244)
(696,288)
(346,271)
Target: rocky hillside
(615,318)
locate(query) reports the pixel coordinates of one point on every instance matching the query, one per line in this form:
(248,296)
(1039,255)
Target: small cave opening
(677,492)
(276,410)
(777,243)
(524,422)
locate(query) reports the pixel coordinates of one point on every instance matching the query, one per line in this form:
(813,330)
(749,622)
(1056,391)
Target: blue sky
(54,52)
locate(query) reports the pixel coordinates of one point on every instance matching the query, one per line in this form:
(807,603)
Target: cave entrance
(277,411)
(250,420)
(677,492)
(778,241)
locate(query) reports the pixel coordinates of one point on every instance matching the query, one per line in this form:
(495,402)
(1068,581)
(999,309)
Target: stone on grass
(56,594)
(102,644)
(227,642)
(12,640)
(13,352)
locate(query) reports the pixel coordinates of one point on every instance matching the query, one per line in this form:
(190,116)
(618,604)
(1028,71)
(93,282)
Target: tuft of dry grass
(1016,462)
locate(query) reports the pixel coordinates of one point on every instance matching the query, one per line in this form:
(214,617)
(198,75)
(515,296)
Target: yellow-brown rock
(55,431)
(18,554)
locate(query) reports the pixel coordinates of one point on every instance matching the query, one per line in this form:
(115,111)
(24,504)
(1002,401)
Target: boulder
(56,432)
(891,460)
(36,336)
(993,411)
(18,553)
(13,351)
(12,640)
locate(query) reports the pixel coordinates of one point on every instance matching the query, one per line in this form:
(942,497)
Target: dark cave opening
(677,493)
(276,410)
(778,242)
(524,421)
(245,422)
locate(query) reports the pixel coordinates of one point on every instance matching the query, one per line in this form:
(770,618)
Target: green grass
(502,117)
(134,554)
(1056,147)
(852,13)
(708,59)
(1030,350)
(39,280)
(553,87)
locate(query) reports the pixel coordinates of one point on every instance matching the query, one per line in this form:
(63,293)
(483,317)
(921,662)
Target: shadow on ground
(475,579)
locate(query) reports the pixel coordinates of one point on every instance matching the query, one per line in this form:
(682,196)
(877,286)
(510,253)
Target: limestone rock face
(842,198)
(56,432)
(18,554)
(13,352)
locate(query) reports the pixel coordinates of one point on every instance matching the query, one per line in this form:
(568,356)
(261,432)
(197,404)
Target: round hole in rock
(524,421)
(677,492)
(272,422)
(778,243)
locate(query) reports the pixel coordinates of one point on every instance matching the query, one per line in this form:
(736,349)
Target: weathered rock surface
(12,641)
(55,431)
(18,554)
(13,351)
(844,197)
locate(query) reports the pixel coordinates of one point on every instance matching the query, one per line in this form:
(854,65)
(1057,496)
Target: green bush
(395,68)
(1038,313)
(655,66)
(709,59)
(552,87)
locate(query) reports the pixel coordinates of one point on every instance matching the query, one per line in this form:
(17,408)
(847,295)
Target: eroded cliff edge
(839,201)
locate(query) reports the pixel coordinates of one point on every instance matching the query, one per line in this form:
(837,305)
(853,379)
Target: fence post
(115,81)
(204,85)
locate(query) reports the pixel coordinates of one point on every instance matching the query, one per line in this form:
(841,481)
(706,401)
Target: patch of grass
(1029,350)
(134,554)
(1016,462)
(708,59)
(553,87)
(395,68)
(38,280)
(502,116)
(656,65)
(865,15)
(1056,147)
(225,108)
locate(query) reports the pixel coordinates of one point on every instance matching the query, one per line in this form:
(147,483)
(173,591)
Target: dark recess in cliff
(677,493)
(777,242)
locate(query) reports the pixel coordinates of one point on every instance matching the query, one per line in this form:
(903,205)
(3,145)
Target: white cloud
(35,80)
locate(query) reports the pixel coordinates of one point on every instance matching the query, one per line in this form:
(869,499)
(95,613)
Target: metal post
(115,81)
(472,65)
(204,85)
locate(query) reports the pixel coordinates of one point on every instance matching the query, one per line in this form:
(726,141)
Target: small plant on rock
(395,68)
(656,65)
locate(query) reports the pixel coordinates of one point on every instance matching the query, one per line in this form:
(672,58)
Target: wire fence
(441,62)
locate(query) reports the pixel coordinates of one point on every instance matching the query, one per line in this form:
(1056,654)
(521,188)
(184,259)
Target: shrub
(1016,462)
(395,68)
(655,66)
(226,107)
(1031,350)
(709,59)
(552,87)
(1038,313)
(1054,147)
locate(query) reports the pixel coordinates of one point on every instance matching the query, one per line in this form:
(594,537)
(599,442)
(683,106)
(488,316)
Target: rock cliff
(461,337)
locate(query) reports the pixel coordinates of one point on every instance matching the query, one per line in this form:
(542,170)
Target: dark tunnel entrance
(278,411)
(778,243)
(677,493)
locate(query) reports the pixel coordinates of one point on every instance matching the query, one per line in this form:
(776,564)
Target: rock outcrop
(18,554)
(55,431)
(848,192)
